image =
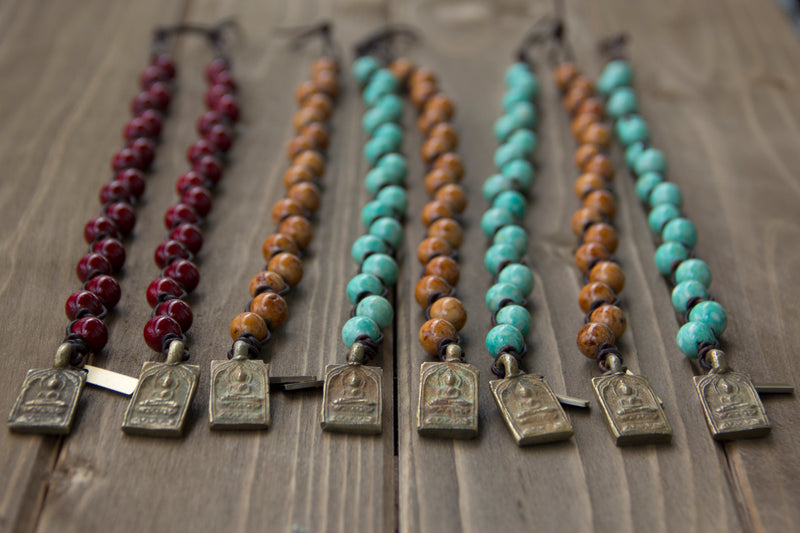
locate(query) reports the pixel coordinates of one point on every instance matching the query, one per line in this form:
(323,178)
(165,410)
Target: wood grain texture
(716,81)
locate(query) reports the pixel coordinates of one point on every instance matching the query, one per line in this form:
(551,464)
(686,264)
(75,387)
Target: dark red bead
(111,249)
(190,179)
(126,158)
(153,120)
(199,198)
(161,93)
(179,311)
(226,78)
(134,179)
(145,150)
(162,286)
(170,250)
(216,66)
(99,227)
(184,272)
(135,128)
(151,75)
(214,93)
(188,235)
(208,120)
(220,136)
(92,331)
(115,191)
(123,216)
(91,265)
(178,214)
(200,148)
(228,106)
(106,288)
(166,62)
(159,327)
(85,301)
(144,101)
(209,167)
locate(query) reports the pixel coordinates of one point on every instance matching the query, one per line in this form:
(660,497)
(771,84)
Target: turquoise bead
(694,269)
(632,154)
(495,185)
(378,309)
(514,71)
(515,315)
(504,335)
(375,90)
(685,291)
(388,229)
(712,315)
(513,235)
(651,160)
(395,165)
(527,84)
(517,275)
(358,326)
(669,253)
(503,127)
(367,244)
(660,215)
(363,283)
(392,105)
(379,177)
(391,131)
(632,129)
(374,210)
(378,116)
(508,152)
(503,291)
(621,102)
(495,218)
(363,69)
(377,147)
(395,197)
(680,230)
(499,254)
(520,171)
(524,115)
(514,96)
(382,266)
(691,334)
(666,193)
(525,139)
(511,200)
(645,184)
(617,73)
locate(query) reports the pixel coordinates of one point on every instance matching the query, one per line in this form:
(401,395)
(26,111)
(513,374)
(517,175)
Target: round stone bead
(504,126)
(524,139)
(588,254)
(680,230)
(668,254)
(712,314)
(516,71)
(363,68)
(434,332)
(395,197)
(645,184)
(367,244)
(524,115)
(448,230)
(691,334)
(512,201)
(271,307)
(377,147)
(379,177)
(519,276)
(651,160)
(499,255)
(450,309)
(594,292)
(495,218)
(514,236)
(243,323)
(287,266)
(358,326)
(267,280)
(382,266)
(622,101)
(375,210)
(515,315)
(390,131)
(387,110)
(609,273)
(496,184)
(380,84)
(508,152)
(432,247)
(660,215)
(521,171)
(610,316)
(617,73)
(633,152)
(632,129)
(685,291)
(503,291)
(693,269)
(666,193)
(389,230)
(504,335)
(395,165)
(376,308)
(526,83)
(429,289)
(591,336)
(444,267)
(514,96)
(364,284)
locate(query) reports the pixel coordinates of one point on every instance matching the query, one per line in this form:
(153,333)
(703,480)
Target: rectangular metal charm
(448,400)
(161,401)
(352,399)
(239,394)
(48,401)
(632,410)
(732,406)
(531,409)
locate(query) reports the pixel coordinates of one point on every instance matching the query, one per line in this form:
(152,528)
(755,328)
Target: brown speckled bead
(305,194)
(271,307)
(433,211)
(446,130)
(612,317)
(584,154)
(449,230)
(591,336)
(296,174)
(596,133)
(444,267)
(284,208)
(420,93)
(428,119)
(564,74)
(249,323)
(305,116)
(325,63)
(602,165)
(583,217)
(321,102)
(326,82)
(312,160)
(588,253)
(451,163)
(583,83)
(442,102)
(592,106)
(601,201)
(581,122)
(452,195)
(299,144)
(402,68)
(587,183)
(450,309)
(299,229)
(303,91)
(277,243)
(429,288)
(422,75)
(437,178)
(432,247)
(269,279)
(433,147)
(287,266)
(574,98)
(595,291)
(317,134)
(609,273)
(434,332)
(604,234)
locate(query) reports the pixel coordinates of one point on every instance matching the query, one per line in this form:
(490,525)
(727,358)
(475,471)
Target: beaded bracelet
(239,391)
(731,402)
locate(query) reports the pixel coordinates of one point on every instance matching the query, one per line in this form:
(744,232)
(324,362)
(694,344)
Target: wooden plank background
(717,81)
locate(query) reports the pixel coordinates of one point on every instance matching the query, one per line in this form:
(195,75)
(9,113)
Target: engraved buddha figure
(629,400)
(448,394)
(528,401)
(46,393)
(239,384)
(162,393)
(734,402)
(353,390)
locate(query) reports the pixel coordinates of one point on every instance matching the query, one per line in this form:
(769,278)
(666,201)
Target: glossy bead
(584,154)
(271,307)
(306,194)
(680,230)
(502,336)
(499,292)
(395,197)
(191,179)
(382,266)
(589,253)
(106,288)
(157,329)
(100,227)
(299,229)
(525,140)
(666,193)
(392,134)
(514,236)
(184,272)
(574,97)
(364,284)
(508,152)
(114,191)
(436,179)
(168,251)
(592,106)
(220,136)
(277,243)
(633,152)
(421,92)
(691,335)
(660,215)
(434,211)
(512,201)
(377,116)
(450,309)
(651,160)
(604,234)
(581,122)
(179,214)
(496,184)
(632,129)
(198,149)
(434,333)
(712,314)
(515,315)
(444,267)
(375,210)
(451,163)
(591,336)
(249,323)
(515,72)
(693,269)
(123,216)
(177,310)
(499,255)
(91,265)
(377,147)
(296,174)
(446,131)
(447,230)
(583,218)
(363,68)
(305,116)
(669,254)
(526,84)
(521,171)
(378,309)
(389,230)
(111,249)
(160,289)
(210,167)
(284,208)
(208,120)
(452,195)
(597,134)
(645,184)
(315,135)
(359,326)
(401,68)
(685,291)
(518,275)
(288,266)
(85,301)
(321,102)
(378,178)
(267,280)
(564,74)
(621,102)
(609,273)
(432,247)
(312,160)
(395,165)
(126,158)
(595,291)
(365,245)
(601,165)
(617,73)
(300,144)
(612,317)
(495,218)
(602,201)
(92,331)
(133,179)
(430,288)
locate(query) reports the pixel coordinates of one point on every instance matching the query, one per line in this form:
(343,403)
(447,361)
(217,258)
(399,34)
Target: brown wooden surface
(717,82)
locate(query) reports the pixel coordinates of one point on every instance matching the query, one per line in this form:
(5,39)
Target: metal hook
(300,35)
(377,43)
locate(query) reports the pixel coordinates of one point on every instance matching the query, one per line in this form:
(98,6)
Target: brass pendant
(162,398)
(530,408)
(448,399)
(49,397)
(239,393)
(352,400)
(631,408)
